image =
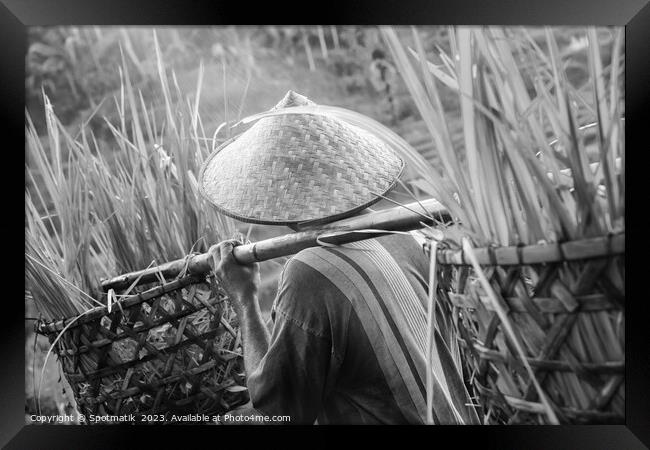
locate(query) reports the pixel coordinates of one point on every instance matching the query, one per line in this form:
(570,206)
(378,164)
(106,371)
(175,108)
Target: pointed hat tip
(292,98)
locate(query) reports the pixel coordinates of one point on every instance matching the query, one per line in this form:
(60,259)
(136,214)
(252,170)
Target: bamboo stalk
(401,218)
(589,248)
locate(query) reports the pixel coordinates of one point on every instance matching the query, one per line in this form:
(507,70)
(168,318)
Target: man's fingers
(222,250)
(215,254)
(225,248)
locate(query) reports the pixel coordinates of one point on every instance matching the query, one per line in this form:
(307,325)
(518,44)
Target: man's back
(348,340)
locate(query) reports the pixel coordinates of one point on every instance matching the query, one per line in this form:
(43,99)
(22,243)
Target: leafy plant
(521,173)
(90,216)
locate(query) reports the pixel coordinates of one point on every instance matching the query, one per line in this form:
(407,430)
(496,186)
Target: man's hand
(241,282)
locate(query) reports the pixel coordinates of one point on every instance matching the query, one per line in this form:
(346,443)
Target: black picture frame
(16,15)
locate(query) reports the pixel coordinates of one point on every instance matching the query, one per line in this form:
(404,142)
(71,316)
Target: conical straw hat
(295,168)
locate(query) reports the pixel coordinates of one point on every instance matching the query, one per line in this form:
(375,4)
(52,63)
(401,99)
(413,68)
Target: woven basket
(566,304)
(170,348)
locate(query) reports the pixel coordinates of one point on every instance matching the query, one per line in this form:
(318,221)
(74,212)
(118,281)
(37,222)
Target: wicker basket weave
(566,304)
(169,348)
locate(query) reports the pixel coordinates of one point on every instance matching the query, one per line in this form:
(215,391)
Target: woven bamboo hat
(296,168)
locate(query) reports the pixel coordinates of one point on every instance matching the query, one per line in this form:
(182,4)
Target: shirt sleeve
(292,378)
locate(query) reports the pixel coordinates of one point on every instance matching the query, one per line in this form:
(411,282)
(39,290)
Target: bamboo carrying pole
(400,218)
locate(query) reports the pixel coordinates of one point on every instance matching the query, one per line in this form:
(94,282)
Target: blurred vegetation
(77,67)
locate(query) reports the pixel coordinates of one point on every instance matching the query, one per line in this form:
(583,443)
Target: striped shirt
(348,342)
